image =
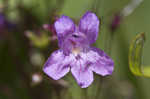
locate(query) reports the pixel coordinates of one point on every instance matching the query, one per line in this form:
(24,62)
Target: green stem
(99,87)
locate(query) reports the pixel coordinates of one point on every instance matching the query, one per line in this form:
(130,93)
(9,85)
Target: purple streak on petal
(66,46)
(104,65)
(57,65)
(81,72)
(89,24)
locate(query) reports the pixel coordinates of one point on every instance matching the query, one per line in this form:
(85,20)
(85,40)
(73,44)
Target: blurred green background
(21,57)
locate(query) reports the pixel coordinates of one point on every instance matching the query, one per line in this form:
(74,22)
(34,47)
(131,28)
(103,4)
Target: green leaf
(135,57)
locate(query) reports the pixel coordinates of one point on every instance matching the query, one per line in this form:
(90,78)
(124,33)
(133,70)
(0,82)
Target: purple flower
(75,53)
(115,22)
(5,24)
(2,21)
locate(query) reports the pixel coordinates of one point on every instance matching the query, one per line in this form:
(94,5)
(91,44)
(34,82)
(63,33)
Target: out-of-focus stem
(108,43)
(94,6)
(99,88)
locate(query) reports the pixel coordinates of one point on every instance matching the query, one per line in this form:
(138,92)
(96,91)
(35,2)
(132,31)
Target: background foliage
(25,45)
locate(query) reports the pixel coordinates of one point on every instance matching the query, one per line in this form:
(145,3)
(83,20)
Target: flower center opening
(76,51)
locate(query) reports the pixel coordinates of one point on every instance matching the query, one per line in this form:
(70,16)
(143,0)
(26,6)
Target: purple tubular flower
(76,54)
(115,22)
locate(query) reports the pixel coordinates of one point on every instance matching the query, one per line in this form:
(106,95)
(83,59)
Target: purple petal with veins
(57,65)
(64,26)
(104,65)
(89,24)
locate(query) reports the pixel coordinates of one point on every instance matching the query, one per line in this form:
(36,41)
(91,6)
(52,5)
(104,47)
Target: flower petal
(57,65)
(104,65)
(64,25)
(82,73)
(89,24)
